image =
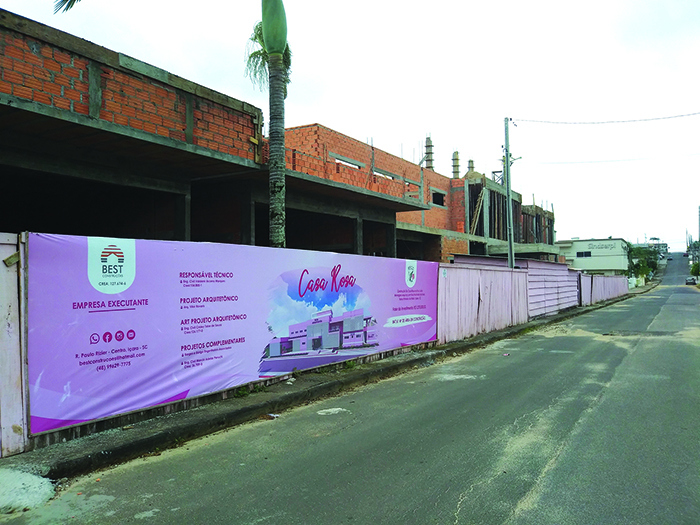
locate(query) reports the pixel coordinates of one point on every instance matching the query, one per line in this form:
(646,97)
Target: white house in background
(596,256)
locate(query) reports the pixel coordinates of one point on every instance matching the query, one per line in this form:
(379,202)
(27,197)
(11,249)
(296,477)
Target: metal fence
(606,287)
(473,301)
(481,294)
(475,295)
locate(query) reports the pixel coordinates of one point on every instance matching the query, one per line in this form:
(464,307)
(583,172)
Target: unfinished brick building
(451,224)
(98,143)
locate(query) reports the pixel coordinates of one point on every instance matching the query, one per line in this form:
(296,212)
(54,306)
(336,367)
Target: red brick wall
(437,216)
(309,151)
(222,129)
(309,148)
(130,101)
(452,244)
(457,218)
(44,73)
(410,217)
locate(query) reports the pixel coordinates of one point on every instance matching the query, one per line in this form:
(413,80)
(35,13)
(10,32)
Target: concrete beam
(71,168)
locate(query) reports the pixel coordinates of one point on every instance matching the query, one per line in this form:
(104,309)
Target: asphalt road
(593,420)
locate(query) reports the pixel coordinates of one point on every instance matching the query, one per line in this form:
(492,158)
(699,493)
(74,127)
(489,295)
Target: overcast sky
(454,70)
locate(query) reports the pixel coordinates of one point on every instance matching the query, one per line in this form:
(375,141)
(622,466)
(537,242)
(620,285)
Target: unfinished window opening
(412,190)
(348,164)
(378,172)
(438,198)
(340,160)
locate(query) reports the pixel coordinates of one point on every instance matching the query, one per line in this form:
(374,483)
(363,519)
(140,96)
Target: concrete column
(247,216)
(391,240)
(183,217)
(429,153)
(422,197)
(13,423)
(359,236)
(94,89)
(485,205)
(467,211)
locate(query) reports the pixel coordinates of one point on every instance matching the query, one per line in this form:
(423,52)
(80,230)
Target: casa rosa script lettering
(314,285)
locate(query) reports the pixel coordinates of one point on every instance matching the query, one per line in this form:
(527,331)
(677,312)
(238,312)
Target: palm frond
(63,5)
(256,68)
(257,59)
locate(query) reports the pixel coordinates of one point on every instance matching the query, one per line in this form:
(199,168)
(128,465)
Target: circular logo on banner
(411,273)
(111,264)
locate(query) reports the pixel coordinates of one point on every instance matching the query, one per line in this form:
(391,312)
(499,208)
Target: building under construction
(85,126)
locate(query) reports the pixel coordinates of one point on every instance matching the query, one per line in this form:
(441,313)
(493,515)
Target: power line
(608,121)
(594,161)
(615,160)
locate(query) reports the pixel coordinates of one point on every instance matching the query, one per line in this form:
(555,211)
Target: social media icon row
(108,336)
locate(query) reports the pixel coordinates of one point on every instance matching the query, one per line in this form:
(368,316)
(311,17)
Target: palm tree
(276,58)
(63,5)
(274,29)
(269,62)
(258,59)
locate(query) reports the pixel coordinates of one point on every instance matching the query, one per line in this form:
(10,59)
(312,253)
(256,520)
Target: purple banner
(117,325)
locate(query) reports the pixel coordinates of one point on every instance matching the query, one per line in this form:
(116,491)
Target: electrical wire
(607,121)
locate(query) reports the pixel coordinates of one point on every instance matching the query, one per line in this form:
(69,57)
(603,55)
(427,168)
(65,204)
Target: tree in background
(642,261)
(695,270)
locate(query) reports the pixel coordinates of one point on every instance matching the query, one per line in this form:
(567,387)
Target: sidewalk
(79,456)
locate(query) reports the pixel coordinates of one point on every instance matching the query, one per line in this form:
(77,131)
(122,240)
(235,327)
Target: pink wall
(552,287)
(608,286)
(473,301)
(586,289)
(597,288)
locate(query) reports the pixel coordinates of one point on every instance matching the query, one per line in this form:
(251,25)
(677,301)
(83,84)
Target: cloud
(284,311)
(287,308)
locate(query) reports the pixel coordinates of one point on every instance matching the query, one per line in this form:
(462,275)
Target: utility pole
(506,173)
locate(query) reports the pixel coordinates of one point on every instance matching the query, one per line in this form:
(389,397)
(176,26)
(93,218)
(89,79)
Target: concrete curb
(108,448)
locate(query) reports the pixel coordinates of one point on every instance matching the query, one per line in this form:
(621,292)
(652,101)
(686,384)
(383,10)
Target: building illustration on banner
(157,322)
(323,339)
(319,317)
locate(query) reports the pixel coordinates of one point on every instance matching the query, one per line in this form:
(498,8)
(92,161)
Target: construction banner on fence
(117,325)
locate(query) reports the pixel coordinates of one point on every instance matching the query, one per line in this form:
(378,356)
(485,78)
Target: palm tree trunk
(277,163)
